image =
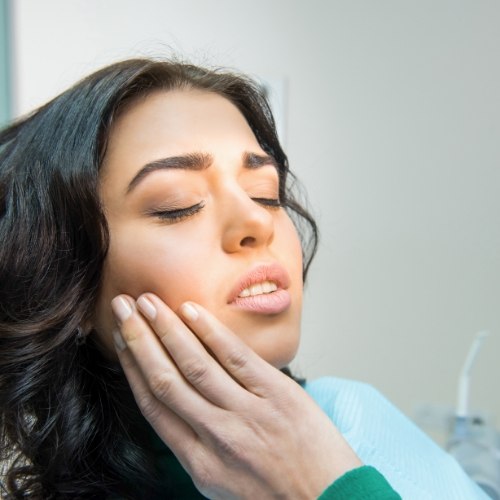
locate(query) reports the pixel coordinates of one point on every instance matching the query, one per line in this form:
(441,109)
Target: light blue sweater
(416,467)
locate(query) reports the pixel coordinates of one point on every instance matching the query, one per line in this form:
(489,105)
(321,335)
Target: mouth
(262,290)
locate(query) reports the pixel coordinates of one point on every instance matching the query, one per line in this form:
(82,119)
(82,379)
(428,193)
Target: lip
(270,303)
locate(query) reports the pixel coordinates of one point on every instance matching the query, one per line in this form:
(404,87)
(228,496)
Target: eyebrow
(191,161)
(196,161)
(253,160)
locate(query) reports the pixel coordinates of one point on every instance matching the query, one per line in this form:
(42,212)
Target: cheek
(288,246)
(157,263)
(151,262)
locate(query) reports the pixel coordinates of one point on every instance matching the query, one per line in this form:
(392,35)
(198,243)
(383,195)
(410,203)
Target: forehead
(174,123)
(183,116)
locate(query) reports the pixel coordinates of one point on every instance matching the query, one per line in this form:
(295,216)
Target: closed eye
(177,214)
(268,202)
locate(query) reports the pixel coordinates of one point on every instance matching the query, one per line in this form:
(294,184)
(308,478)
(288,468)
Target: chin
(279,351)
(282,361)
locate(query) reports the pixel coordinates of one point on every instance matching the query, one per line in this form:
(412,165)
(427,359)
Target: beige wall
(393,124)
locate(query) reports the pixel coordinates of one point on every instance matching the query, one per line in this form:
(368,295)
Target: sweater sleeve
(359,484)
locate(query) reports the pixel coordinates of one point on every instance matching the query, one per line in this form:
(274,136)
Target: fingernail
(121,307)
(146,307)
(118,340)
(189,312)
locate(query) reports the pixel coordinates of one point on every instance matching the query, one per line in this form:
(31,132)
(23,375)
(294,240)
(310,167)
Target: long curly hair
(68,422)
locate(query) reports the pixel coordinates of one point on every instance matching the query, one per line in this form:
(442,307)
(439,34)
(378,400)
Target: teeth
(268,287)
(259,289)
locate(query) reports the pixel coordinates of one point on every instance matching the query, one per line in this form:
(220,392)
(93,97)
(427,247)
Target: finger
(172,430)
(191,357)
(248,368)
(163,379)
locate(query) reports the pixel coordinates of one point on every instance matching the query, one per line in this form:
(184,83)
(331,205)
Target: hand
(240,427)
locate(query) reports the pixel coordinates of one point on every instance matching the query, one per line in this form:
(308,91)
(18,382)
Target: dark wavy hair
(67,417)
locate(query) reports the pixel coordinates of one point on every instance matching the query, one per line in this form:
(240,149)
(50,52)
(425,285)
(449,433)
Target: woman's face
(189,196)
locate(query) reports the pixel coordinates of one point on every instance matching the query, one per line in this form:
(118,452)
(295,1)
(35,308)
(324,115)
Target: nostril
(248,241)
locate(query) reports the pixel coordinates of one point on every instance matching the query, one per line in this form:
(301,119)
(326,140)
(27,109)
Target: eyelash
(268,202)
(179,214)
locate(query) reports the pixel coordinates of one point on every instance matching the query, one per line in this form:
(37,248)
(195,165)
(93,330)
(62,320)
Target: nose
(247,224)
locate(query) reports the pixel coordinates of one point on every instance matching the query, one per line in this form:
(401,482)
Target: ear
(83,331)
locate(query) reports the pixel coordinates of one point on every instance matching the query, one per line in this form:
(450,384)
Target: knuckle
(236,360)
(161,385)
(203,478)
(225,438)
(227,448)
(200,469)
(195,371)
(149,407)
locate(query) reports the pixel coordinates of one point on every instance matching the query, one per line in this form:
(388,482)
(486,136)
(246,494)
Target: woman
(148,255)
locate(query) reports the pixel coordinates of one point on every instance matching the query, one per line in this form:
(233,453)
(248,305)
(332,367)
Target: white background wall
(393,124)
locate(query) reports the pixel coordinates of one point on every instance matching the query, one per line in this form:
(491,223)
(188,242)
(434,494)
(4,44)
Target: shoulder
(365,416)
(385,438)
(346,401)
(334,386)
